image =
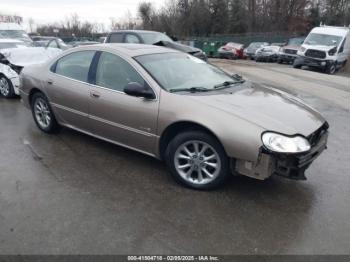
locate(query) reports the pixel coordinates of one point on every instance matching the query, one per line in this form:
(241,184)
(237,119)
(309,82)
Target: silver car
(206,124)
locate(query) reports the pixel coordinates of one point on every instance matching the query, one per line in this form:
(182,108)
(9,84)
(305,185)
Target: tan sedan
(206,124)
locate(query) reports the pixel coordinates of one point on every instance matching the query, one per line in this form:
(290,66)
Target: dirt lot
(73,194)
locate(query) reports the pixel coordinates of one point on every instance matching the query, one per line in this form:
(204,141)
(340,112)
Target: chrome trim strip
(70,110)
(104,121)
(110,141)
(122,126)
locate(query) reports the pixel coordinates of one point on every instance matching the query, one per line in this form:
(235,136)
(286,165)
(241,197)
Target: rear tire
(6,87)
(43,114)
(197,160)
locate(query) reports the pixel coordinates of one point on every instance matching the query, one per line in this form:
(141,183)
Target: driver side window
(115,73)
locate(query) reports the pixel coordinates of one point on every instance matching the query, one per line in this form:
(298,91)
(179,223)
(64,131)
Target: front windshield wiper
(191,90)
(227,84)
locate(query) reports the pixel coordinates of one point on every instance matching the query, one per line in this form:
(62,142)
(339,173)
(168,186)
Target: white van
(326,47)
(13,31)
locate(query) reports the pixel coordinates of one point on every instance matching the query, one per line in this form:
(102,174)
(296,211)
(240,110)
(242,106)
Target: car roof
(10,26)
(44,37)
(331,30)
(131,50)
(134,31)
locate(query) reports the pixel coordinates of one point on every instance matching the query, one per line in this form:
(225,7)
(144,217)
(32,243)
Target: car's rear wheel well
(177,128)
(31,94)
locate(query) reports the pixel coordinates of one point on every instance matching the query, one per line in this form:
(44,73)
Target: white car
(13,60)
(326,47)
(14,31)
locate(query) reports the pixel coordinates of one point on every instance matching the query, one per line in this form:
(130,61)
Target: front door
(124,119)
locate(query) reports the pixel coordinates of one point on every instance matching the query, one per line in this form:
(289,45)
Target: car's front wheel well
(31,94)
(173,130)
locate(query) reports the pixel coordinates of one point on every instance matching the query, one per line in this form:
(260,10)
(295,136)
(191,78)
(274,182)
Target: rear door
(68,89)
(124,119)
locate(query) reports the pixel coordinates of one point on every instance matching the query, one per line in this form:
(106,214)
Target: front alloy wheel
(197,160)
(6,88)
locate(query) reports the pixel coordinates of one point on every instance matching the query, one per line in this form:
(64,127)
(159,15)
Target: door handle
(50,82)
(95,94)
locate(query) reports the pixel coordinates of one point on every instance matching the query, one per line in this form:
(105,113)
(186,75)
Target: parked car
(326,48)
(204,123)
(12,62)
(14,31)
(50,42)
(231,51)
(152,38)
(250,51)
(289,52)
(267,54)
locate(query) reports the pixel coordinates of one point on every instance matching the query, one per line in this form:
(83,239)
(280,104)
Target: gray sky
(46,11)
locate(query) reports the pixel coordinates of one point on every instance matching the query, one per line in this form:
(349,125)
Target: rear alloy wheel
(42,113)
(6,88)
(197,160)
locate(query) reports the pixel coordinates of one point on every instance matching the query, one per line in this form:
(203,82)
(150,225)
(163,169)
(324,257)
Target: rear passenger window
(75,65)
(115,38)
(115,73)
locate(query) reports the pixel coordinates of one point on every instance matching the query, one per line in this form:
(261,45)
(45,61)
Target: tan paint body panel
(237,116)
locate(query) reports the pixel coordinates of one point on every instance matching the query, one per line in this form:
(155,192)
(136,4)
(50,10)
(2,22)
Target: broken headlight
(284,144)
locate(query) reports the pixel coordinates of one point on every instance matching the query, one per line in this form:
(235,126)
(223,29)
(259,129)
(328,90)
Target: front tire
(43,114)
(6,87)
(331,68)
(197,160)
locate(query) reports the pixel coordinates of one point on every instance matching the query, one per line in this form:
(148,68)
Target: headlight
(284,144)
(332,51)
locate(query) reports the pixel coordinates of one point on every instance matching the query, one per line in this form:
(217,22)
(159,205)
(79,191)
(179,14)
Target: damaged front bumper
(292,166)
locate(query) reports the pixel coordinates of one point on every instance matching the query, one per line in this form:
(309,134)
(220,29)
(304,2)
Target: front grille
(291,51)
(315,137)
(315,54)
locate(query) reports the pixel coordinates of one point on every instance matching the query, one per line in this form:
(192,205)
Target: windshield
(296,41)
(176,71)
(151,38)
(322,39)
(14,34)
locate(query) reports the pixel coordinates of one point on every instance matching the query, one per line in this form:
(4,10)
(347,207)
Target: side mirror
(137,90)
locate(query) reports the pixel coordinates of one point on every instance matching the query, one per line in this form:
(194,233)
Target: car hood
(292,47)
(269,108)
(29,56)
(177,46)
(319,47)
